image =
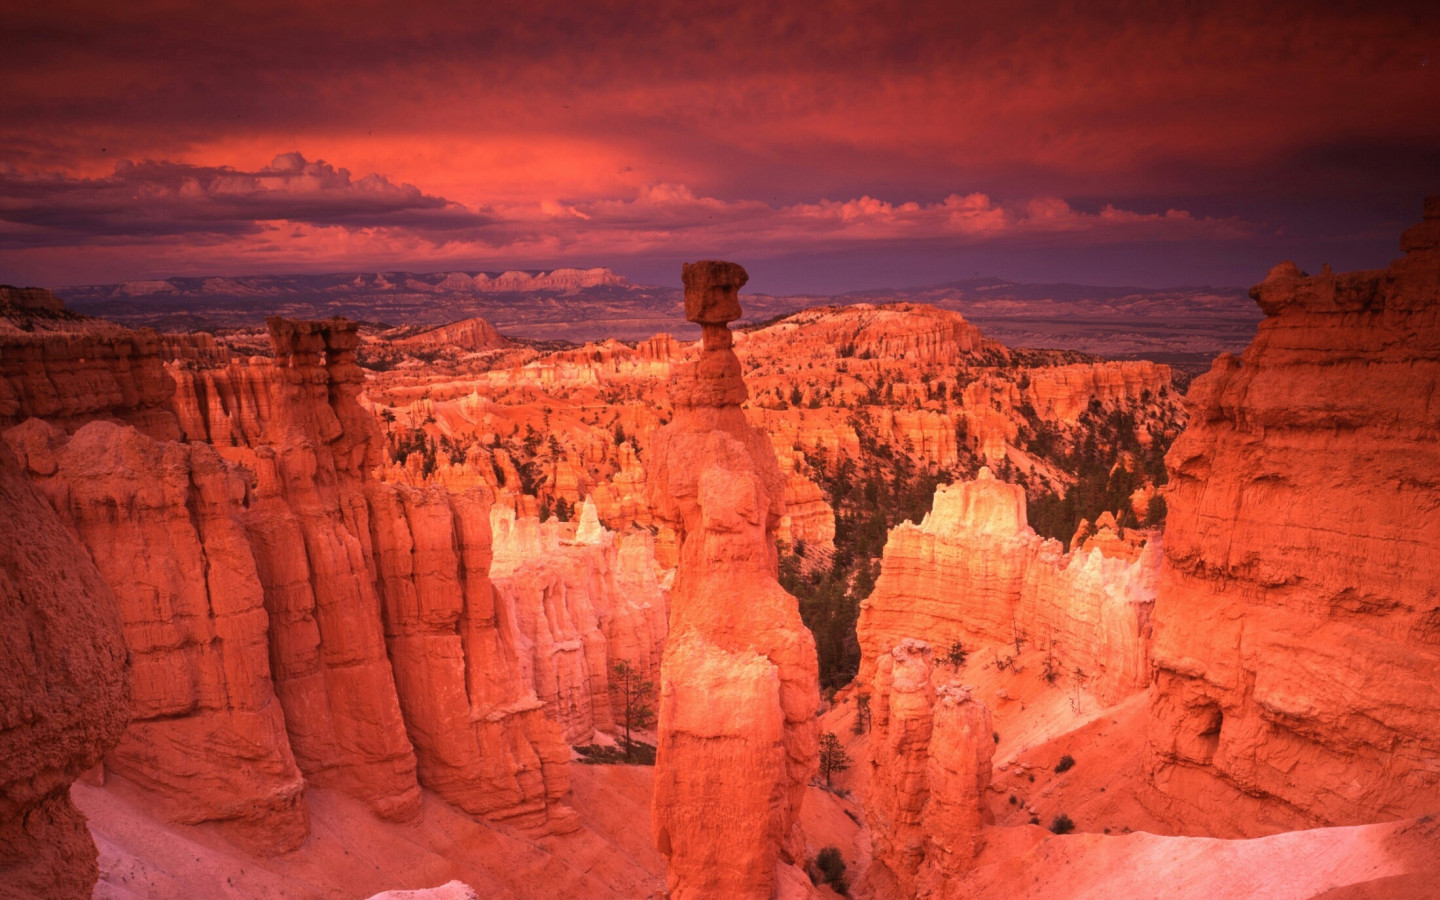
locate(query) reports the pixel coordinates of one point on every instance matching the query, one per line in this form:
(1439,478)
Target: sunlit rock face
(292,620)
(973,571)
(1297,633)
(206,735)
(930,754)
(69,379)
(739,683)
(64,693)
(482,738)
(577,605)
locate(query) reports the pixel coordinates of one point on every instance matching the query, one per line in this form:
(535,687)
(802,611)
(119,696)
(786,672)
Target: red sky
(827,146)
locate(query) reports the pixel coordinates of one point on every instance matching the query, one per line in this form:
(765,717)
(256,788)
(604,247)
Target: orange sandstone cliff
(291,620)
(1297,631)
(739,684)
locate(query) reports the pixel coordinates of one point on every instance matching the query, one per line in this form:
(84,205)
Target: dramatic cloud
(154,199)
(311,214)
(1312,120)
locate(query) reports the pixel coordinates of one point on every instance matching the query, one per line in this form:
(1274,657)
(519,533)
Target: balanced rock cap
(712,288)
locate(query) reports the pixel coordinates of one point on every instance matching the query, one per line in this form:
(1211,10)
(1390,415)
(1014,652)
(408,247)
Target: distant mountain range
(1184,325)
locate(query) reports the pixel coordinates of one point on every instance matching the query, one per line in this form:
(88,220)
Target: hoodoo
(739,682)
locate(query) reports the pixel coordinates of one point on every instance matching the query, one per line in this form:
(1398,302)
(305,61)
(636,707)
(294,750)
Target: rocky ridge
(930,759)
(293,620)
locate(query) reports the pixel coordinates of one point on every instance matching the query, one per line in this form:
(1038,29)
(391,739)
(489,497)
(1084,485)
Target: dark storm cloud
(154,199)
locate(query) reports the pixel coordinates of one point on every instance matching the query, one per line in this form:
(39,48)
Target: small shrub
(640,754)
(955,655)
(1066,763)
(1062,824)
(832,868)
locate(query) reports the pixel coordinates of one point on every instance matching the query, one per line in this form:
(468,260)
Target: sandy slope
(351,854)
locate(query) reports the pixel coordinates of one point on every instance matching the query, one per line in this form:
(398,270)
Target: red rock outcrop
(930,765)
(974,571)
(480,743)
(206,737)
(1296,630)
(739,684)
(246,565)
(472,335)
(31,299)
(308,525)
(69,379)
(916,332)
(64,693)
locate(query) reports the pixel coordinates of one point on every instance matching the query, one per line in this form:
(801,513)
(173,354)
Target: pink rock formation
(916,332)
(246,564)
(481,744)
(1296,627)
(64,691)
(1062,393)
(808,519)
(206,736)
(930,766)
(739,684)
(309,527)
(29,299)
(578,605)
(473,334)
(974,571)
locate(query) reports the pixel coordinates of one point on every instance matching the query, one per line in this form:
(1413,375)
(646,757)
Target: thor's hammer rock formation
(739,684)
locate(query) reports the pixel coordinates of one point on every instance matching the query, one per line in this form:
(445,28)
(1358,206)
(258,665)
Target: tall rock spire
(739,682)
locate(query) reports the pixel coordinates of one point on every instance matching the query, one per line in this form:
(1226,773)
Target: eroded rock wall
(581,598)
(1297,632)
(206,736)
(250,566)
(70,379)
(481,740)
(973,571)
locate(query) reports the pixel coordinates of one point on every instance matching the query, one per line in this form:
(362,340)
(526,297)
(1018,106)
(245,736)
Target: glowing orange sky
(837,144)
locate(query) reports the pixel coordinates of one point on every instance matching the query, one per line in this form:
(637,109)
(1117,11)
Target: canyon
(333,609)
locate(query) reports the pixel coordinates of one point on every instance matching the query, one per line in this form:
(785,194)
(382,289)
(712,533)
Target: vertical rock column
(206,739)
(739,683)
(496,756)
(308,524)
(930,756)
